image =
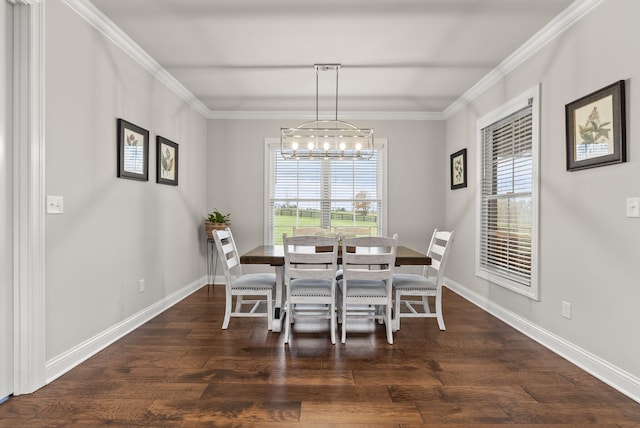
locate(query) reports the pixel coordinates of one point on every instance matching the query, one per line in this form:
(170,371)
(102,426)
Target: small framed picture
(133,151)
(595,126)
(167,161)
(459,169)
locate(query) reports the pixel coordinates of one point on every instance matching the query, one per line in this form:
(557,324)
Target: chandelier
(326,139)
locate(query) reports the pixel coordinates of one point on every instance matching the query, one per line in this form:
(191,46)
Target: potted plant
(216,220)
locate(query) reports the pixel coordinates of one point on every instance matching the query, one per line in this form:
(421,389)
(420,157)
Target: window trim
(512,106)
(381,145)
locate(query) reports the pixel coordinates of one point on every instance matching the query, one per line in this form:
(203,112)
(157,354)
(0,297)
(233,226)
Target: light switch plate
(633,207)
(55,204)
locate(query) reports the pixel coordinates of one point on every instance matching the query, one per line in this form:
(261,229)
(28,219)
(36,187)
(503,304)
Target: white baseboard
(613,376)
(64,362)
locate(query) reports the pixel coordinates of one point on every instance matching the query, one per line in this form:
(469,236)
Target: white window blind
(323,193)
(508,198)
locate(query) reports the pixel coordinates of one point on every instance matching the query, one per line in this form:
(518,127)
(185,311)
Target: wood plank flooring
(181,370)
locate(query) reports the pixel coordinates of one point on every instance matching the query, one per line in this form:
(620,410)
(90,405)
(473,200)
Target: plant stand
(212,252)
(212,262)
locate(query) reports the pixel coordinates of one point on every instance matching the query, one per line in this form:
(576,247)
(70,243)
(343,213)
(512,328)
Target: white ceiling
(397,56)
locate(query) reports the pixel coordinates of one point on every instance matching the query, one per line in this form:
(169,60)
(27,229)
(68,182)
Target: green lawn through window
(286,223)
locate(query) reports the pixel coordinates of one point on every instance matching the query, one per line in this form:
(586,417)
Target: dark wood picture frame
(458,169)
(133,151)
(166,161)
(596,128)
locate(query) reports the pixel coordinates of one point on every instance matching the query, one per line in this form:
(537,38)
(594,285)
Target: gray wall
(113,232)
(416,163)
(589,250)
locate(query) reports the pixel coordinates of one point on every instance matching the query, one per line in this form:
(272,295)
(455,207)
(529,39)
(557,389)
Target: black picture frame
(133,151)
(458,169)
(166,161)
(596,128)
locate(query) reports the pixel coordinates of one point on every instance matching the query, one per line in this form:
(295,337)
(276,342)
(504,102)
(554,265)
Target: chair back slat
(310,256)
(228,252)
(369,258)
(439,249)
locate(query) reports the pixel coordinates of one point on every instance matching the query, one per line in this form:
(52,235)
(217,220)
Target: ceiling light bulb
(310,146)
(342,146)
(358,146)
(294,146)
(326,146)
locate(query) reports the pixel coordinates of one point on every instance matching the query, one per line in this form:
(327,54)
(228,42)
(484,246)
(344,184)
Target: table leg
(278,316)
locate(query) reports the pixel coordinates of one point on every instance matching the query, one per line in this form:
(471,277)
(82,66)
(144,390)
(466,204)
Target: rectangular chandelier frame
(326,139)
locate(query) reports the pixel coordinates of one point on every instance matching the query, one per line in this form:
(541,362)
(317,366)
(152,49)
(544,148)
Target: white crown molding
(572,14)
(608,373)
(24,2)
(99,20)
(311,115)
(69,359)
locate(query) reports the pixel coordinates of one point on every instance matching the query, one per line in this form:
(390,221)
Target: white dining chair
(365,289)
(407,287)
(240,285)
(310,264)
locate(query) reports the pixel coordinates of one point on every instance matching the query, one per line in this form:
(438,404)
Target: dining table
(273,255)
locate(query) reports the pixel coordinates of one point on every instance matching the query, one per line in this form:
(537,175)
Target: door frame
(29,346)
(6,200)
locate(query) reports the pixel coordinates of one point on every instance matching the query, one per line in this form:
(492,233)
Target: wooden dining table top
(274,255)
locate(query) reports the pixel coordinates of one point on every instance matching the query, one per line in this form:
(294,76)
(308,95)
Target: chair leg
(344,320)
(227,310)
(396,323)
(389,324)
(439,309)
(287,327)
(288,313)
(239,303)
(332,314)
(269,311)
(425,304)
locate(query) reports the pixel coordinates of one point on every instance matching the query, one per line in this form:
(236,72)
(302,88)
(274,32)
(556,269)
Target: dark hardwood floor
(182,370)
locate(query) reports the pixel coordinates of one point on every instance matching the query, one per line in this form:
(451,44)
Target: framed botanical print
(133,151)
(459,169)
(167,161)
(595,127)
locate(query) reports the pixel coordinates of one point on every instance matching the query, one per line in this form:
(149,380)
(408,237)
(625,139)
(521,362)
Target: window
(310,195)
(508,194)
